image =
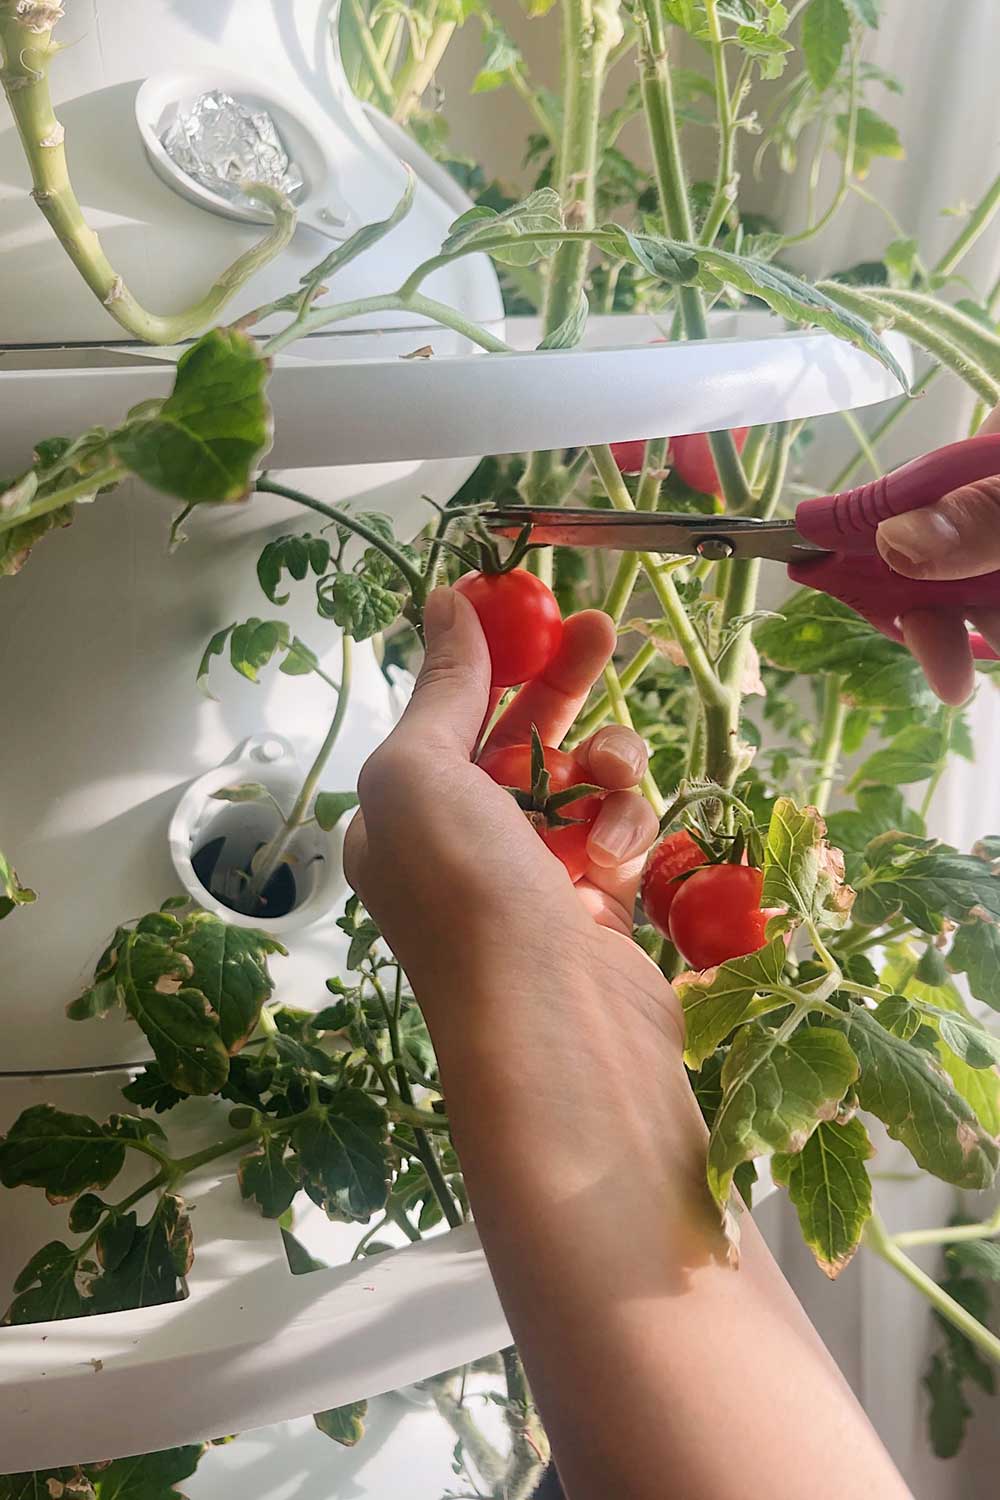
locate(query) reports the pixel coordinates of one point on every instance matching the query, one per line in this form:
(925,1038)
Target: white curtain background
(947,56)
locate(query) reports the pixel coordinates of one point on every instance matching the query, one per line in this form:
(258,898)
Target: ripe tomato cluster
(511,767)
(710,915)
(690,456)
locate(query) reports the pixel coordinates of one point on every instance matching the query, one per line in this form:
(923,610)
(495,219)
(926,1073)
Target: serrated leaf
(299,660)
(153,1267)
(928,881)
(209,435)
(912,755)
(151,1476)
(775,1094)
(64,1154)
(215,647)
(359,604)
(229,967)
(253,642)
(801,871)
(330,807)
(880,809)
(540,212)
(266,1176)
(718,1000)
(150,1090)
(115,1239)
(344,1424)
(949,1411)
(826,30)
(571,330)
(815,633)
(873,136)
(12,892)
(85,1213)
(669,261)
(294,555)
(178,1021)
(829,1186)
(342,1154)
(976,954)
(907,1088)
(46,1287)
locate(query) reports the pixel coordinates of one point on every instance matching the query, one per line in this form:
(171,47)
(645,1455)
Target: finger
(614,757)
(451,695)
(355,849)
(992,423)
(609,893)
(553,700)
(625,827)
(987,622)
(958,537)
(940,642)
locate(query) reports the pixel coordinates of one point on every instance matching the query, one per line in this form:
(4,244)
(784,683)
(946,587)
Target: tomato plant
(865,999)
(520,619)
(563,822)
(716,915)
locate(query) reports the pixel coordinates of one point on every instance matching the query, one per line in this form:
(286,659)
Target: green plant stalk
(661,123)
(865,938)
(950,715)
(586,42)
(726,178)
(413,301)
(378,76)
(620,713)
(647,498)
(275,850)
(847,166)
(27,56)
(417,73)
(877,1238)
(955,1234)
(865,448)
(481,1451)
(828,745)
(81,489)
(978,221)
(628,677)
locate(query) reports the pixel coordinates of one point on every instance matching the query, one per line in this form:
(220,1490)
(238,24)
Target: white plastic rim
(271,760)
(331,410)
(252,1344)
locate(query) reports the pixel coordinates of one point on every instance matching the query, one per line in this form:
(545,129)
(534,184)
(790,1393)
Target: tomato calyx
(481,553)
(541,805)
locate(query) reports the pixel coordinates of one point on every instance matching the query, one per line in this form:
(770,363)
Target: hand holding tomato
(520,619)
(716,915)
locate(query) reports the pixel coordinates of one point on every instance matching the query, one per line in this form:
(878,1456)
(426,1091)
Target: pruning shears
(829,546)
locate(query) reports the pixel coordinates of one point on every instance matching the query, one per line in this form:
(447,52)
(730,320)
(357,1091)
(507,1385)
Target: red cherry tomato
(629,456)
(672,857)
(520,620)
(716,915)
(512,767)
(691,456)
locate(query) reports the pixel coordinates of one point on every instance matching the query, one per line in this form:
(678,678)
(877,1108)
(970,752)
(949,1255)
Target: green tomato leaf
(571,330)
(801,871)
(880,809)
(152,979)
(912,755)
(345,1424)
(873,136)
(299,660)
(826,30)
(829,1185)
(229,967)
(266,1176)
(49,1287)
(16,542)
(254,642)
(358,603)
(294,555)
(976,954)
(62,1153)
(152,1476)
(330,807)
(206,440)
(12,892)
(718,1000)
(949,1411)
(815,633)
(115,1239)
(907,1088)
(539,213)
(775,1094)
(930,882)
(215,647)
(152,1269)
(46,1484)
(343,1156)
(979,1257)
(150,1090)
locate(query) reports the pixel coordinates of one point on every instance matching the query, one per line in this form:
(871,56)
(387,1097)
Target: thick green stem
(417,74)
(401,301)
(380,80)
(954,1234)
(878,1239)
(831,734)
(273,854)
(27,56)
(621,714)
(979,220)
(588,34)
(726,177)
(478,1447)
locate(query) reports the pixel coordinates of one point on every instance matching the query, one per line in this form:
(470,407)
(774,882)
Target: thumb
(451,696)
(958,537)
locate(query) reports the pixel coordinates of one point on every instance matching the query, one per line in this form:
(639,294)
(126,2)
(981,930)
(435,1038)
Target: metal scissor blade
(712,537)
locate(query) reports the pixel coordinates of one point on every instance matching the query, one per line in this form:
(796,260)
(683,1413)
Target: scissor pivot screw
(714,548)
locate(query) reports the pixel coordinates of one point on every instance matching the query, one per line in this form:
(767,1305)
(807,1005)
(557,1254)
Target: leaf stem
(953,1235)
(831,734)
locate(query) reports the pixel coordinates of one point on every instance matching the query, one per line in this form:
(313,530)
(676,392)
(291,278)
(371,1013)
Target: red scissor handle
(854,571)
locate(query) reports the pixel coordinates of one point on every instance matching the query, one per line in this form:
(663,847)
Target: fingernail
(616,839)
(625,748)
(916,538)
(439,615)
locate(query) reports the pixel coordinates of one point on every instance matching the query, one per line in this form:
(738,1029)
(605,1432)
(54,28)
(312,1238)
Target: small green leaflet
(928,881)
(253,644)
(976,954)
(294,555)
(12,892)
(330,807)
(178,1021)
(151,1270)
(229,967)
(48,1287)
(829,1185)
(361,240)
(359,603)
(539,213)
(208,437)
(718,1000)
(913,754)
(815,633)
(880,809)
(345,1424)
(571,330)
(775,1093)
(906,1087)
(873,136)
(152,1476)
(801,871)
(501,55)
(64,1154)
(265,1175)
(342,1155)
(826,30)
